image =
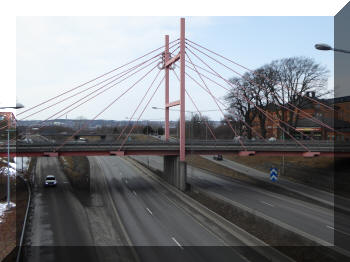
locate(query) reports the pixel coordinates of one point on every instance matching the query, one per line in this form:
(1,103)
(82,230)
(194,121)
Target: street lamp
(325,47)
(18,106)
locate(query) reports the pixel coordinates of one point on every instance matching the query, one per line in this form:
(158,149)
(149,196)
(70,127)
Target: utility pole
(283,168)
(8,166)
(206,133)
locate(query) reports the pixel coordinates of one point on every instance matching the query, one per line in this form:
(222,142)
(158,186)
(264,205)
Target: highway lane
(311,219)
(121,209)
(58,218)
(67,226)
(314,193)
(300,188)
(155,221)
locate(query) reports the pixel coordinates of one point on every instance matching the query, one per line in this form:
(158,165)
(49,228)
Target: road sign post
(273,174)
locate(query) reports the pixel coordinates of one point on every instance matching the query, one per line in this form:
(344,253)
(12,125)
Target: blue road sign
(273,174)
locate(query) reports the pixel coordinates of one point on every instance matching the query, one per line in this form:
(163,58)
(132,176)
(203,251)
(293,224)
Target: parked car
(50,180)
(272,139)
(218,157)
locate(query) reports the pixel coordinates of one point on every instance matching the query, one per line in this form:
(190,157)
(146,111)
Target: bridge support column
(175,172)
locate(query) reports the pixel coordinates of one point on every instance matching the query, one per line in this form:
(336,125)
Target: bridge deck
(323,148)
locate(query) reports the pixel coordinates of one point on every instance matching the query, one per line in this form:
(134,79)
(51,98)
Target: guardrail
(24,221)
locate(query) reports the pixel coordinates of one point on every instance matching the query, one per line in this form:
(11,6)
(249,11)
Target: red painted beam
(311,154)
(175,103)
(246,153)
(51,154)
(117,153)
(172,60)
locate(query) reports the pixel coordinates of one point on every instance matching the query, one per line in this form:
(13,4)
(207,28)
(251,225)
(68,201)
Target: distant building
(338,119)
(6,118)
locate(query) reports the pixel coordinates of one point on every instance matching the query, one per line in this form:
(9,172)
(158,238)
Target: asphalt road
(58,218)
(157,224)
(122,217)
(308,191)
(66,225)
(311,219)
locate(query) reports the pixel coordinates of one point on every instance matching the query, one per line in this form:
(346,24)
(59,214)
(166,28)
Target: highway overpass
(163,148)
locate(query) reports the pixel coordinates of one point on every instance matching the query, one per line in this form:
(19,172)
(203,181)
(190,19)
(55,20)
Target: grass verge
(317,172)
(292,244)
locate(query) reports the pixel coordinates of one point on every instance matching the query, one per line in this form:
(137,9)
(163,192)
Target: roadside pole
(283,169)
(8,168)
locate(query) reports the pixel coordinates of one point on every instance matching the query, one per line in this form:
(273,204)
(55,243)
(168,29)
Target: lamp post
(325,47)
(18,106)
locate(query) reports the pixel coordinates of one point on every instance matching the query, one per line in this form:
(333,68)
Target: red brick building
(338,119)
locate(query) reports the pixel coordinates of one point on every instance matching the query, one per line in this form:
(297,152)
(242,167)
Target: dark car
(218,157)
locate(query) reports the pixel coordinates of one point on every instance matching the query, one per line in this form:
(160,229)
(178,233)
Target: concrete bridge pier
(175,172)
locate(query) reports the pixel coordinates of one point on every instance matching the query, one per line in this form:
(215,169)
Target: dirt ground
(11,226)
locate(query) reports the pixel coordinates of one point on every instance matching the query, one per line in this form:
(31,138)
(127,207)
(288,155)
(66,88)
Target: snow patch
(3,208)
(12,169)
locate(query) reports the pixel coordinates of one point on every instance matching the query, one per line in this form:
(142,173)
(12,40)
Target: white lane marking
(134,193)
(177,243)
(149,211)
(340,231)
(267,203)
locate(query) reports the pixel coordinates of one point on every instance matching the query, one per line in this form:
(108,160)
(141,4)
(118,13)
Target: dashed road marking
(149,211)
(177,243)
(267,203)
(340,231)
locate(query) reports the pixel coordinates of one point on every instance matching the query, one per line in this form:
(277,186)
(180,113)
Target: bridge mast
(182,91)
(166,59)
(167,63)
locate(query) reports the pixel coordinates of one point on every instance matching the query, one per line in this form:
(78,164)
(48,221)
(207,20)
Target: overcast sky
(54,54)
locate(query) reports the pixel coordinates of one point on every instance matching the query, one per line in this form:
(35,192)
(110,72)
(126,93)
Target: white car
(50,181)
(272,139)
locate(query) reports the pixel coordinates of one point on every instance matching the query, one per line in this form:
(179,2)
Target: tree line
(268,94)
(277,88)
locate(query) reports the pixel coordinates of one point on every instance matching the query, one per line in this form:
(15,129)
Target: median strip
(149,211)
(267,203)
(177,243)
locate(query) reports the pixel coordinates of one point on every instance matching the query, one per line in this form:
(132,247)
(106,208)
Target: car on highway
(218,157)
(50,180)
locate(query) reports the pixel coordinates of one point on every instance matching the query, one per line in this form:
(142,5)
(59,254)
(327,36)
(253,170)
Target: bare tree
(280,86)
(294,78)
(197,127)
(264,79)
(242,91)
